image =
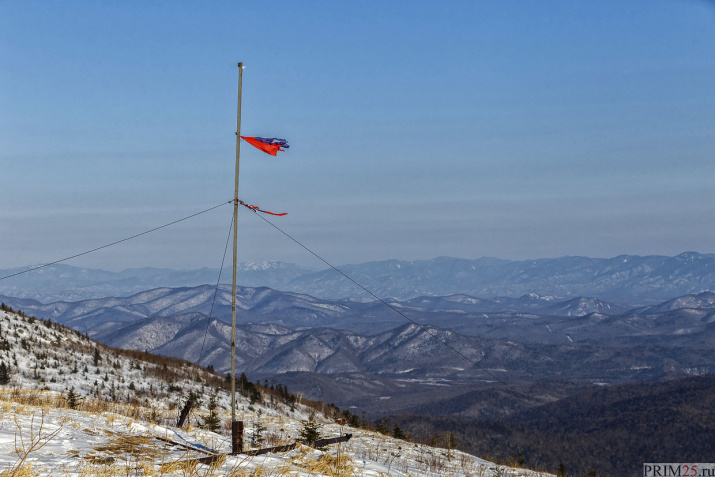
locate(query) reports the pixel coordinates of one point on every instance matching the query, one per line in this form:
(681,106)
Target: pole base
(236,437)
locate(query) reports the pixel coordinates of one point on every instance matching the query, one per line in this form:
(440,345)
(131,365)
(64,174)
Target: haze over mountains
(62,282)
(630,279)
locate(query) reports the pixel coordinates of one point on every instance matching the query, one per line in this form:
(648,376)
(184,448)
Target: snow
(124,421)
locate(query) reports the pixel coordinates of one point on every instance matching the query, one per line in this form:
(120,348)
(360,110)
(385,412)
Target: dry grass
(258,472)
(24,470)
(94,470)
(324,464)
(182,467)
(126,454)
(16,399)
(122,455)
(27,441)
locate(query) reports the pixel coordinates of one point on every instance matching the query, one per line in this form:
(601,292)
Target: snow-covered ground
(123,422)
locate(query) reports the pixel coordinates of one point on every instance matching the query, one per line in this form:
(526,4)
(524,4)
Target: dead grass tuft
(28,441)
(24,470)
(325,464)
(183,467)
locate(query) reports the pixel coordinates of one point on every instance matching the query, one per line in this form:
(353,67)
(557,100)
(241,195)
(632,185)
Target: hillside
(613,429)
(72,406)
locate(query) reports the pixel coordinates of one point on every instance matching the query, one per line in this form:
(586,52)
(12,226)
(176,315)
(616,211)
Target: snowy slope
(124,417)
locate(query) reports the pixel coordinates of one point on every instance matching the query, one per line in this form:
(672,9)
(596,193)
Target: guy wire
(216,291)
(115,243)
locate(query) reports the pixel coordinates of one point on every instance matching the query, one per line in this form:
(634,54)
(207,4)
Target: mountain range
(684,321)
(465,342)
(371,354)
(119,407)
(630,279)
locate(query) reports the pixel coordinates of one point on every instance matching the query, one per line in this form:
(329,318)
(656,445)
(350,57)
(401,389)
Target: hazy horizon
(326,267)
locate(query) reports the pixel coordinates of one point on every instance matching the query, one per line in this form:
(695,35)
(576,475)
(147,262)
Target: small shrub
(4,373)
(72,399)
(212,422)
(310,432)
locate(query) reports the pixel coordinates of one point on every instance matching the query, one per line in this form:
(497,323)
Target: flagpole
(236,426)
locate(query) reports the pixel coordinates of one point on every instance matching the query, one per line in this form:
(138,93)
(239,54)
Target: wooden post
(236,427)
(184,414)
(236,437)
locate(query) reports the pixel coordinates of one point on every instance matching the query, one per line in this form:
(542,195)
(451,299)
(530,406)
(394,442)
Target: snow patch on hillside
(123,420)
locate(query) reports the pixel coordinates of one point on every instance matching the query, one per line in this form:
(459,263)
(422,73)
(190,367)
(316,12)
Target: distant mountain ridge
(629,279)
(626,278)
(61,282)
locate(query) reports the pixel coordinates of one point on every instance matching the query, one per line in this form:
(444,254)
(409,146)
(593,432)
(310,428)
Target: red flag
(256,209)
(268,145)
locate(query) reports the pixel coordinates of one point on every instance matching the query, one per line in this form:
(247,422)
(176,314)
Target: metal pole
(236,435)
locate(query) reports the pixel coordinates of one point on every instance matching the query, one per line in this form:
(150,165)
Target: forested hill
(614,429)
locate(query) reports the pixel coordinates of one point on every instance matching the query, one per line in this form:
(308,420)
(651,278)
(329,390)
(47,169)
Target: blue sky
(512,129)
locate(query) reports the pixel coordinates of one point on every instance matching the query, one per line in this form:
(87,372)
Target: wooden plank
(333,440)
(185,445)
(285,448)
(275,449)
(317,444)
